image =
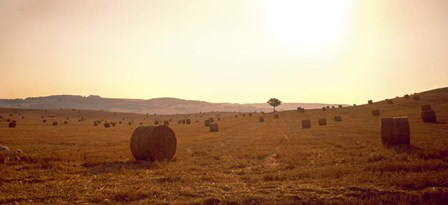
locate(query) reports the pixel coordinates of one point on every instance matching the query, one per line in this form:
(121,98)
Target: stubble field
(246,162)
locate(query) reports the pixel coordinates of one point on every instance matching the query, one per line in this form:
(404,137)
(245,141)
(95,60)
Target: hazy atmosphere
(343,51)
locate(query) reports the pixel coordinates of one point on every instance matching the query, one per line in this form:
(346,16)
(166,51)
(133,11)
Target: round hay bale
(416,97)
(65,122)
(370,102)
(354,105)
(113,124)
(250,114)
(166,122)
(306,124)
(376,112)
(12,124)
(156,122)
(44,121)
(153,143)
(207,123)
(322,121)
(188,121)
(340,106)
(219,118)
(324,109)
(4,148)
(426,107)
(337,118)
(395,131)
(129,123)
(332,107)
(214,127)
(95,123)
(55,123)
(276,116)
(406,96)
(428,116)
(261,119)
(106,124)
(179,122)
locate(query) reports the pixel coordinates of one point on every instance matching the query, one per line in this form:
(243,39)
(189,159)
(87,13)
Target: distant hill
(156,105)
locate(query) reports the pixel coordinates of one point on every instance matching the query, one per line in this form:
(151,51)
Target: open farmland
(246,162)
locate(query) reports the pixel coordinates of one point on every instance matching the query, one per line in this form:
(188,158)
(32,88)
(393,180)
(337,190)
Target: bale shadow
(408,149)
(119,166)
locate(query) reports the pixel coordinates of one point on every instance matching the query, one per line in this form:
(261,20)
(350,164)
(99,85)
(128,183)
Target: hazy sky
(224,51)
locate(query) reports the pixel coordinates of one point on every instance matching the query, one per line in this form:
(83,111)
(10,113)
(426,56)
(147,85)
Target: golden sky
(344,51)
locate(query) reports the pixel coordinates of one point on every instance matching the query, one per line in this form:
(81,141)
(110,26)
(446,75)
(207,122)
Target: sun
(308,25)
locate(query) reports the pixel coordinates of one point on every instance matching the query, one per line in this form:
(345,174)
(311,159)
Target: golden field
(246,162)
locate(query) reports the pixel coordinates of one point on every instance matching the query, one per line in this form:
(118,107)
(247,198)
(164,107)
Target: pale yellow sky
(224,51)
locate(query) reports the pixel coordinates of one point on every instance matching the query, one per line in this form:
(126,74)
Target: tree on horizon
(274,102)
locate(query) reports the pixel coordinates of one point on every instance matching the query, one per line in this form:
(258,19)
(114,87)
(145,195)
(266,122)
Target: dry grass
(246,162)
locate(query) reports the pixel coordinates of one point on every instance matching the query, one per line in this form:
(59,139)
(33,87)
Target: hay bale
(389,101)
(207,123)
(354,105)
(322,121)
(370,102)
(426,107)
(153,143)
(4,148)
(44,121)
(214,127)
(276,116)
(95,123)
(428,116)
(129,123)
(337,118)
(212,120)
(324,109)
(65,122)
(332,107)
(340,106)
(406,96)
(55,123)
(113,124)
(188,121)
(376,112)
(106,125)
(395,131)
(261,119)
(306,124)
(250,114)
(156,122)
(166,122)
(416,97)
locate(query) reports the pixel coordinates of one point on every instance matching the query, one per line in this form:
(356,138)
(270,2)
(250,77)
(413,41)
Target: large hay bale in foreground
(337,118)
(207,123)
(322,121)
(214,127)
(12,124)
(376,112)
(261,119)
(428,116)
(395,131)
(306,123)
(153,143)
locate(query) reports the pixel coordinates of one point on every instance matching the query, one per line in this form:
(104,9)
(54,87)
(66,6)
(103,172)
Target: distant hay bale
(395,131)
(261,119)
(119,122)
(129,123)
(370,102)
(324,109)
(106,124)
(354,105)
(337,118)
(55,123)
(188,121)
(328,107)
(141,123)
(113,124)
(389,101)
(340,106)
(406,96)
(179,122)
(95,123)
(332,107)
(207,123)
(212,119)
(426,107)
(219,119)
(416,97)
(166,122)
(376,112)
(65,122)
(44,121)
(153,143)
(428,116)
(306,124)
(4,148)
(156,122)
(322,121)
(276,116)
(214,127)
